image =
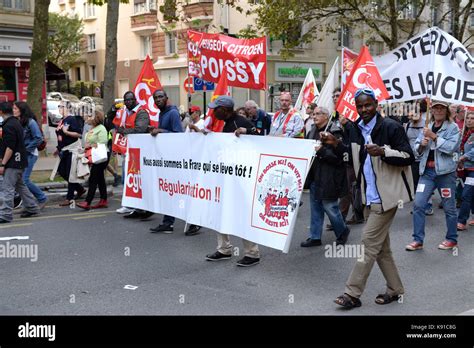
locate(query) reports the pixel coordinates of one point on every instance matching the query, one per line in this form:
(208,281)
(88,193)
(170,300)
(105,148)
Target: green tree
(38,56)
(64,47)
(110,67)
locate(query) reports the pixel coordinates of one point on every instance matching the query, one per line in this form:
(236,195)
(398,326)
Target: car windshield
(53,106)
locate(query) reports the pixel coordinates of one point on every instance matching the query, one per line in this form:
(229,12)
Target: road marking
(17,225)
(15,238)
(469,312)
(70,215)
(88,217)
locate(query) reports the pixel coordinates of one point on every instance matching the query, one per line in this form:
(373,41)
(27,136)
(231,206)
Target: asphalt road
(85,259)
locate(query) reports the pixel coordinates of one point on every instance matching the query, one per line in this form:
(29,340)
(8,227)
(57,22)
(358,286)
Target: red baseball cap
(195,108)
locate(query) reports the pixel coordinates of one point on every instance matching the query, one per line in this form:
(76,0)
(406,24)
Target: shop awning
(53,72)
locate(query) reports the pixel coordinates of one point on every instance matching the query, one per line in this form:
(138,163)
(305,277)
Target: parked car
(93,100)
(54,117)
(62,96)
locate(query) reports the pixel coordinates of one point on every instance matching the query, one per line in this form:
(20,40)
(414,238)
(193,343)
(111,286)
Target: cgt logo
(133,181)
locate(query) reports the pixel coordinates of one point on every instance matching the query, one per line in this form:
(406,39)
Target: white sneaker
(124,210)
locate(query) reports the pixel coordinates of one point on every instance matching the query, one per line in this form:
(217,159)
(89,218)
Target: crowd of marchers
(368,167)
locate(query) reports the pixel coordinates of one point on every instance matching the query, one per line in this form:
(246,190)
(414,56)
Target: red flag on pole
(364,74)
(147,83)
(211,123)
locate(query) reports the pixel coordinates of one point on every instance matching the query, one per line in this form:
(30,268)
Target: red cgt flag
(147,83)
(211,123)
(364,74)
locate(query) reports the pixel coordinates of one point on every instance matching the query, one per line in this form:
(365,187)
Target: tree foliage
(64,47)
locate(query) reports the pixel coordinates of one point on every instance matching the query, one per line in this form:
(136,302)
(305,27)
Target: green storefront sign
(297,72)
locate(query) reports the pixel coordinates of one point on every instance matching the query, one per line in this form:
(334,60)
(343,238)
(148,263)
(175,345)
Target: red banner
(245,59)
(348,60)
(211,122)
(364,74)
(119,144)
(147,83)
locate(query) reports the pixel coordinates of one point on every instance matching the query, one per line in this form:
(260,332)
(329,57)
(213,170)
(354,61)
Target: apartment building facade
(144,30)
(90,65)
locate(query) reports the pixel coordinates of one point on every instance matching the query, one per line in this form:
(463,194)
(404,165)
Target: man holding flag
(382,156)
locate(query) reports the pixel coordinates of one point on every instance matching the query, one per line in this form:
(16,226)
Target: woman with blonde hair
(95,136)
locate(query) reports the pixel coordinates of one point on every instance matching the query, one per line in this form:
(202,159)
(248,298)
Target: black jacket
(13,138)
(393,178)
(328,169)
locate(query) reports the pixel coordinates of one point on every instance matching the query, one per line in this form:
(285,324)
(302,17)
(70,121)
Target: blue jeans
(318,208)
(467,200)
(35,190)
(431,181)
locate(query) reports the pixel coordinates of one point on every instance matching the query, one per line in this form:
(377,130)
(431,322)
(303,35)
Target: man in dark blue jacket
(169,122)
(260,119)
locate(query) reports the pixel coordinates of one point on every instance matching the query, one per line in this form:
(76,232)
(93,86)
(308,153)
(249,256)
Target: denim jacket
(469,152)
(446,149)
(32,136)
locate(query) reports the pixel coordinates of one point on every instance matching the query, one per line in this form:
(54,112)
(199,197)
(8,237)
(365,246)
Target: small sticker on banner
(469,181)
(420,188)
(130,287)
(446,192)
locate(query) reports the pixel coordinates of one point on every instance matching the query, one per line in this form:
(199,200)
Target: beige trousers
(376,242)
(224,246)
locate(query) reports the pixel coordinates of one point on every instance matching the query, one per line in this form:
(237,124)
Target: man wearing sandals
(382,156)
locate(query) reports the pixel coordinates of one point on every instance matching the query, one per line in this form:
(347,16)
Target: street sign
(189,85)
(200,83)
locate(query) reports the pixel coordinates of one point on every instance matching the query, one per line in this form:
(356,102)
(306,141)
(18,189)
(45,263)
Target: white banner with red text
(248,187)
(245,59)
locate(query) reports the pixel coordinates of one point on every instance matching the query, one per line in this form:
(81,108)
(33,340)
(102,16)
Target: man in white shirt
(287,122)
(197,123)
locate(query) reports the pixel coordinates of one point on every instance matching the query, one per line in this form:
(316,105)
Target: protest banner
(211,123)
(147,83)
(432,64)
(364,74)
(245,59)
(248,186)
(309,92)
(332,81)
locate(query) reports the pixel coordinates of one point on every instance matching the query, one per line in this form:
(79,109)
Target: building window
(143,6)
(376,48)
(407,10)
(145,46)
(472,21)
(17,5)
(93,73)
(78,74)
(343,35)
(91,42)
(89,10)
(171,43)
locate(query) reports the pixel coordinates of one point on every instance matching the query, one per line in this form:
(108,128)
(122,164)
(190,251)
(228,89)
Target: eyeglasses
(61,106)
(366,91)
